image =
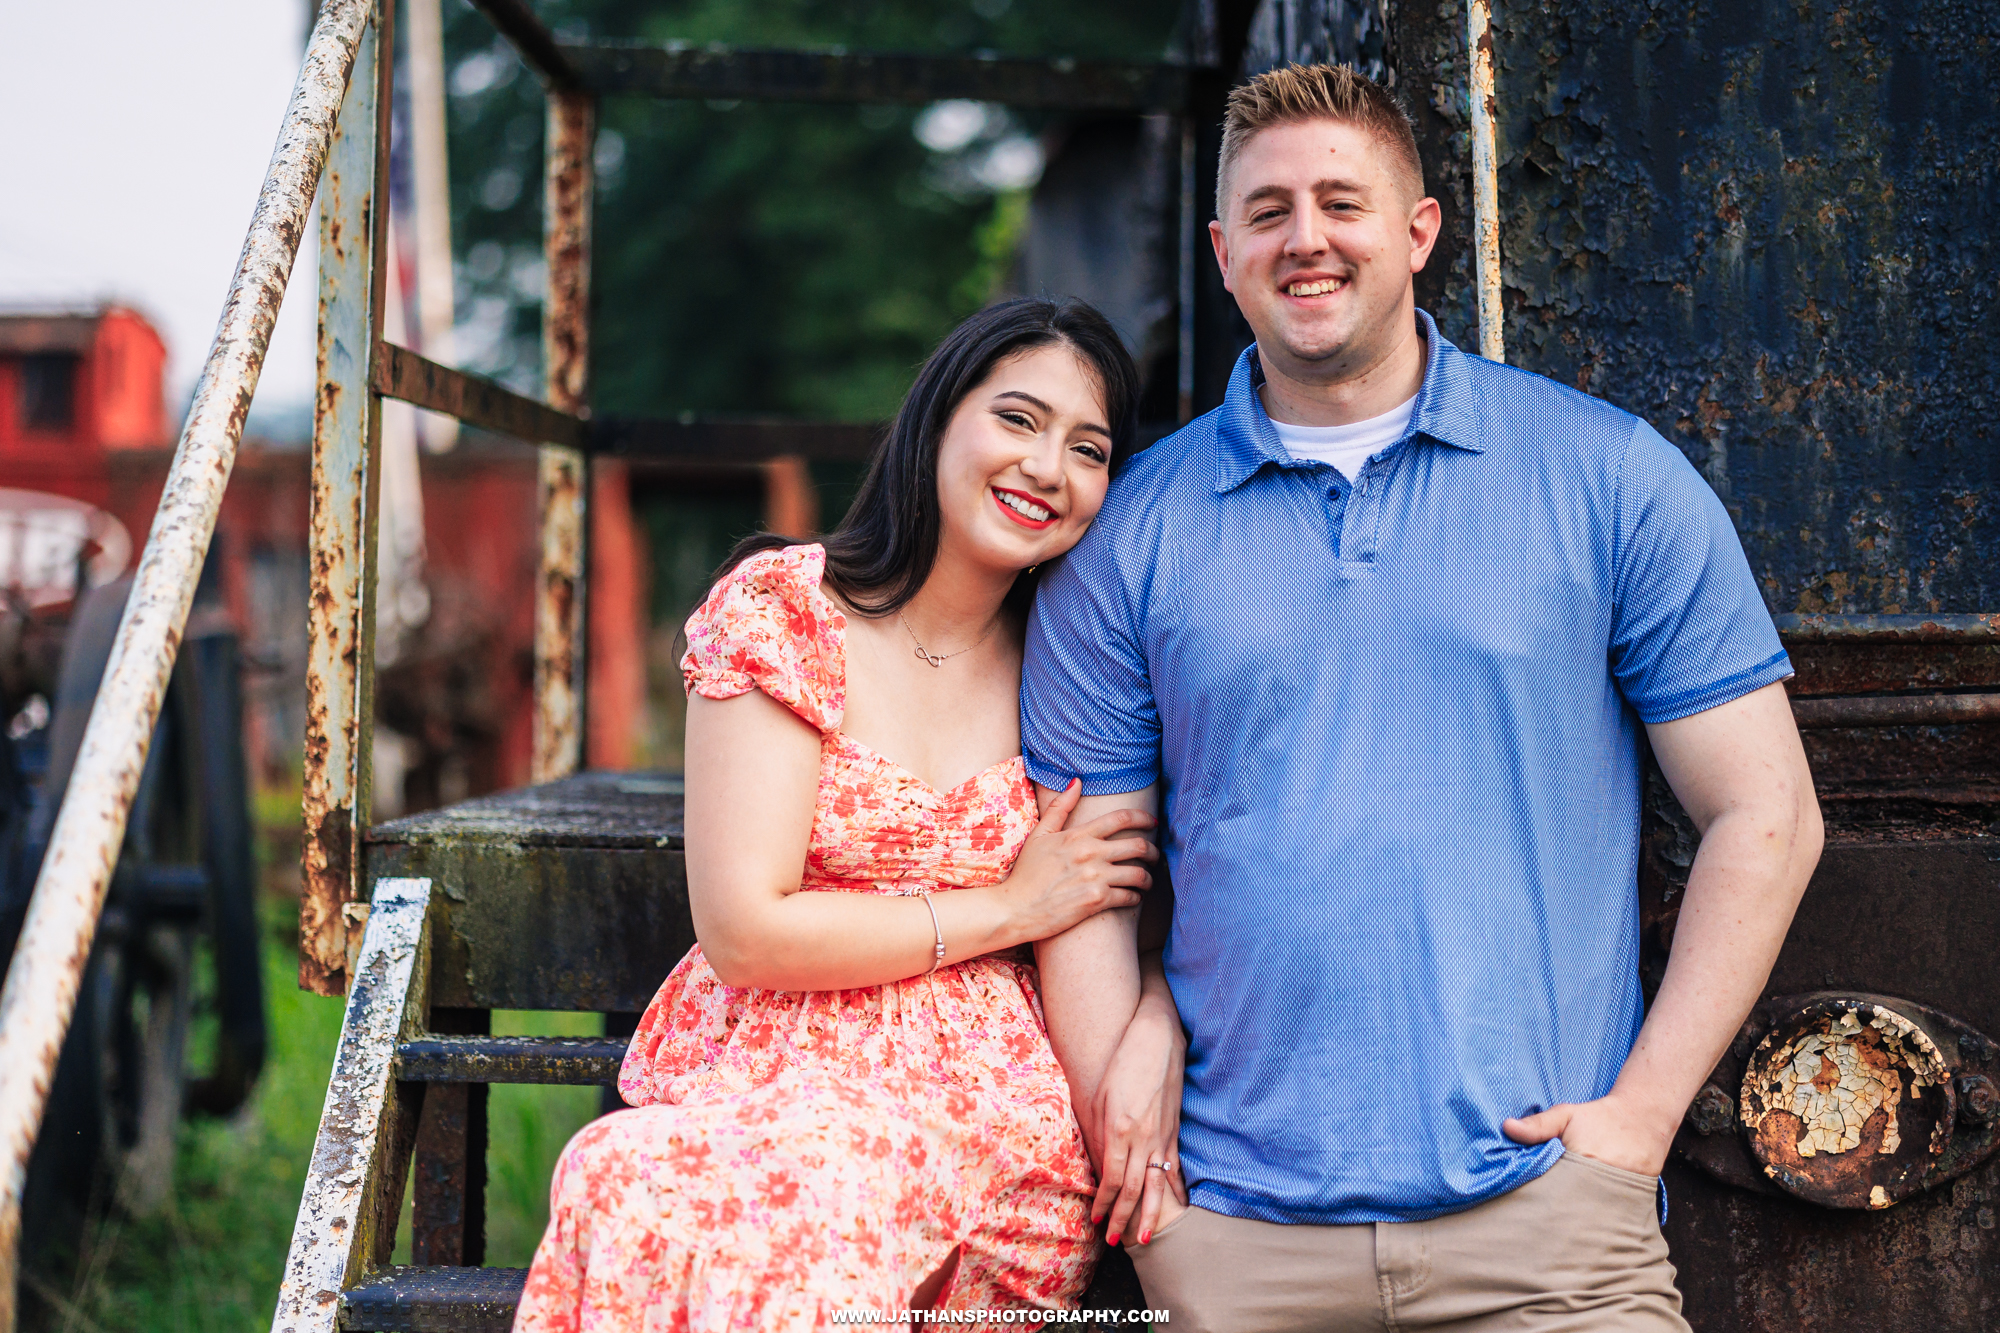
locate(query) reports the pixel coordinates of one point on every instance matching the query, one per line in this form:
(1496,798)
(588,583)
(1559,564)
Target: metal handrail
(47,967)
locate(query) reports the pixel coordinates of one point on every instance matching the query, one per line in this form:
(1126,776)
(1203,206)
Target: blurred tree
(792,258)
(797,259)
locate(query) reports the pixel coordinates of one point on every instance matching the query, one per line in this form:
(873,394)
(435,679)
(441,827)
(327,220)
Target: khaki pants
(1576,1250)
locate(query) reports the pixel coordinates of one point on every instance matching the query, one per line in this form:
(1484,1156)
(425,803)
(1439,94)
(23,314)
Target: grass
(210,1260)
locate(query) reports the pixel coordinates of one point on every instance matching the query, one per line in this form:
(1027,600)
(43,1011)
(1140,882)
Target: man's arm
(1740,771)
(1090,973)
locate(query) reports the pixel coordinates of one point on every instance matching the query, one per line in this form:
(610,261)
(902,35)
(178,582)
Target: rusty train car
(1773,230)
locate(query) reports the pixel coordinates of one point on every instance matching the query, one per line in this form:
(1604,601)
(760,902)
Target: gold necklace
(939,659)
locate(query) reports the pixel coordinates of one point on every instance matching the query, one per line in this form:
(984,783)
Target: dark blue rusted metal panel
(1772,228)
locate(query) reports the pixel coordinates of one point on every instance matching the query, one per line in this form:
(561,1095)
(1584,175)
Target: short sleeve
(767,626)
(1690,630)
(1087,706)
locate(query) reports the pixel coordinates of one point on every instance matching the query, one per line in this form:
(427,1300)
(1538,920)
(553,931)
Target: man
(1385,629)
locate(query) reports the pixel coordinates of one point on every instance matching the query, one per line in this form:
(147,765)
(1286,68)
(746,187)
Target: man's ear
(1425,222)
(1221,244)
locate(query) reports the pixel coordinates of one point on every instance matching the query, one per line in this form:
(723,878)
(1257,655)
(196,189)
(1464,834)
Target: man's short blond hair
(1293,94)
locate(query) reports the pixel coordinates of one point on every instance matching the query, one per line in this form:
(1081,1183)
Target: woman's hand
(1066,875)
(1136,1121)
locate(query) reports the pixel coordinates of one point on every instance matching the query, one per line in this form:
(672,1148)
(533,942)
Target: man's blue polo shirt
(1398,724)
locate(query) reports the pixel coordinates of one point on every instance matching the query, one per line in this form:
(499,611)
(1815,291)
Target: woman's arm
(752,781)
(1090,974)
(1139,1113)
(1118,1035)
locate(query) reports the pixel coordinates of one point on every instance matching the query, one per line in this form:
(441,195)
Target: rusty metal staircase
(569,895)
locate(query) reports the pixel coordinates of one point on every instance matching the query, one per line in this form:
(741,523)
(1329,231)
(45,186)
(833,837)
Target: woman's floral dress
(799,1153)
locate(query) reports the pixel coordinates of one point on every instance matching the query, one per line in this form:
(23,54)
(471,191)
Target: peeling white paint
(330,1238)
(1834,1084)
(1836,1077)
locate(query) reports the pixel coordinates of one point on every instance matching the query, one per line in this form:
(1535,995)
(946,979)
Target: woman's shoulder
(787,573)
(767,624)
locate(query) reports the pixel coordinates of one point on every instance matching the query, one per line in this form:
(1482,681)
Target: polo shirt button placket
(1369,496)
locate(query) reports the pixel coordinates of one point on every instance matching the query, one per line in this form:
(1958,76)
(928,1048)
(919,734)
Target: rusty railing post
(54,944)
(561,590)
(347,437)
(1485,179)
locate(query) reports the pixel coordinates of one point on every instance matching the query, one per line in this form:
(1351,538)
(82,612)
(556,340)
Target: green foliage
(527,1128)
(211,1259)
(796,259)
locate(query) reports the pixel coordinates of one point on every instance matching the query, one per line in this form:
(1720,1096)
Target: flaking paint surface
(1766,227)
(1835,1081)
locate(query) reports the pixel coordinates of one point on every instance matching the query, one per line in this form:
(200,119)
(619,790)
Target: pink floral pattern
(798,1153)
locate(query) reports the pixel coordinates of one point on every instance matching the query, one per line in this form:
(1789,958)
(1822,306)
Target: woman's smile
(1024,509)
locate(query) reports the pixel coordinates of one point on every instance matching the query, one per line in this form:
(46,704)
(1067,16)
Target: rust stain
(1829,1100)
(562,590)
(340,654)
(1837,1083)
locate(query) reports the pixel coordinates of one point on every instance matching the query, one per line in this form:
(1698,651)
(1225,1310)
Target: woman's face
(1025,460)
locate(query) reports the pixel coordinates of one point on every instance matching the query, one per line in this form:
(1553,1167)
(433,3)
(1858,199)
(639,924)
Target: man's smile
(1314,286)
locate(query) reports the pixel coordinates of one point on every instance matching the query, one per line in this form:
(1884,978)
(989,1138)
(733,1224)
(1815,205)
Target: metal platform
(571,895)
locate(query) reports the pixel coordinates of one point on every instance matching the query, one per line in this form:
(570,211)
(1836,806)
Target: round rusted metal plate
(1846,1104)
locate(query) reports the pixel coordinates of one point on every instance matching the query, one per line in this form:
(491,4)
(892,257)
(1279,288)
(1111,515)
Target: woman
(849,1097)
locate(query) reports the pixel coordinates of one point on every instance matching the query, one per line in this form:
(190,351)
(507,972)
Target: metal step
(571,895)
(435,1300)
(483,1300)
(474,1300)
(576,1061)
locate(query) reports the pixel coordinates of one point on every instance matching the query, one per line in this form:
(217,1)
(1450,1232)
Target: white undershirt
(1346,447)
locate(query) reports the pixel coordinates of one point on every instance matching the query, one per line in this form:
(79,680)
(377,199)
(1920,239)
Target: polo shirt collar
(1446,411)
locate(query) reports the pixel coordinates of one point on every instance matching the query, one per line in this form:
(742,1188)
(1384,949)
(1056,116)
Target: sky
(135,137)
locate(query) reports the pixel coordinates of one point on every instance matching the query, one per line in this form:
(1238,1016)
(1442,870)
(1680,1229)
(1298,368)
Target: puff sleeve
(767,626)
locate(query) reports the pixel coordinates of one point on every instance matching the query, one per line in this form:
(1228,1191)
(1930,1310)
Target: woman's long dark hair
(883,549)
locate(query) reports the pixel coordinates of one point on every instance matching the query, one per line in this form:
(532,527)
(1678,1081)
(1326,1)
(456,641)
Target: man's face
(1318,241)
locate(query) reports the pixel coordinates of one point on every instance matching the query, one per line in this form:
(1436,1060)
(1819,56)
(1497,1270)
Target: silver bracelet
(937,952)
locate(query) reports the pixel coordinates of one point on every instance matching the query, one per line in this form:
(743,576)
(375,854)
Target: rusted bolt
(1712,1112)
(1978,1100)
